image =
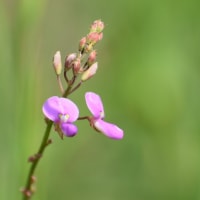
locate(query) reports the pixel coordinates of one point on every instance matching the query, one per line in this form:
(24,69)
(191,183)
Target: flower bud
(57,64)
(89,73)
(94,37)
(76,65)
(97,26)
(92,57)
(69,59)
(82,43)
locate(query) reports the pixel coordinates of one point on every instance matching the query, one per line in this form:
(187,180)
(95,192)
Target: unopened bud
(92,57)
(94,37)
(57,64)
(76,65)
(82,43)
(89,73)
(97,26)
(69,59)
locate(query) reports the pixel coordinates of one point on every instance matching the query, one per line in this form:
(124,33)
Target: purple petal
(54,106)
(51,108)
(110,130)
(94,104)
(69,130)
(69,108)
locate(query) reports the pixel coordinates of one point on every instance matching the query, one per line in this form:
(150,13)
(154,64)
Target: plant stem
(67,91)
(60,84)
(27,190)
(85,117)
(76,87)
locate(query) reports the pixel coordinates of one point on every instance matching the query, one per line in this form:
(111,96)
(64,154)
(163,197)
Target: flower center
(63,118)
(102,115)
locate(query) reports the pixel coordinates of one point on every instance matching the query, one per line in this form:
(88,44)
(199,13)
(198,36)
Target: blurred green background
(148,78)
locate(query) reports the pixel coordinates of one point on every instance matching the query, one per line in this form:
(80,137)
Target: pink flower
(63,112)
(95,106)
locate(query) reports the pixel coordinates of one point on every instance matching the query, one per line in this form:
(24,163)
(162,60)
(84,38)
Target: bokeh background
(148,78)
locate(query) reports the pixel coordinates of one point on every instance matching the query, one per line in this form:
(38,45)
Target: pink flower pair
(63,112)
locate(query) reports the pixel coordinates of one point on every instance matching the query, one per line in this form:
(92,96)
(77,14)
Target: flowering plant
(61,111)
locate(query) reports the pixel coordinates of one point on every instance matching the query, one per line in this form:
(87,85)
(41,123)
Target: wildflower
(95,106)
(63,112)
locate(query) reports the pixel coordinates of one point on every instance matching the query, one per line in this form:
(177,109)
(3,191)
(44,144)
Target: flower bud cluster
(84,62)
(76,63)
(87,43)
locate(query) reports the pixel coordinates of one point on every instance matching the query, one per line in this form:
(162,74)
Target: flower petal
(69,108)
(95,105)
(54,106)
(51,108)
(110,130)
(69,130)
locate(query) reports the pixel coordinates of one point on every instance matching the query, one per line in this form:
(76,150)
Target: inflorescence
(63,112)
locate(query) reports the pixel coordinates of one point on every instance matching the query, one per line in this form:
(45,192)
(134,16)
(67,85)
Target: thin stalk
(85,117)
(27,190)
(65,76)
(67,91)
(60,84)
(76,87)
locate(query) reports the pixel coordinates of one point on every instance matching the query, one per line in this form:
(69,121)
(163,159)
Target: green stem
(27,190)
(35,159)
(76,87)
(67,91)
